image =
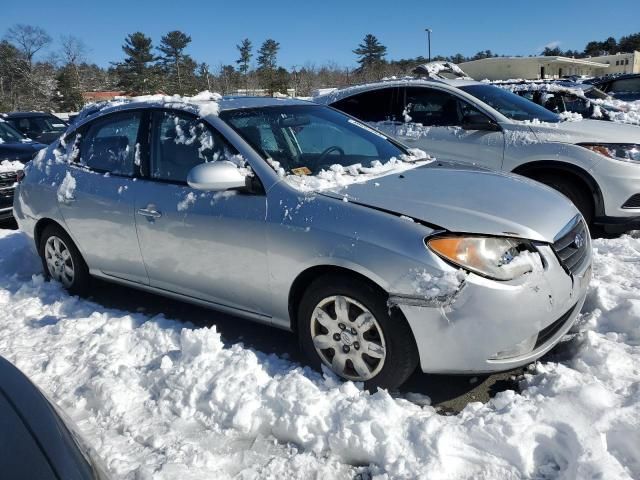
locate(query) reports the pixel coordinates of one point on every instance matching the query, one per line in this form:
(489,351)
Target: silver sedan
(379,257)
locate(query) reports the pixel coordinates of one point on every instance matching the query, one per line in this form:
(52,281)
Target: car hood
(464,199)
(23,151)
(586,131)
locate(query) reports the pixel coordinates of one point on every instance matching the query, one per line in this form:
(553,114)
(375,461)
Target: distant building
(101,96)
(620,62)
(536,68)
(532,68)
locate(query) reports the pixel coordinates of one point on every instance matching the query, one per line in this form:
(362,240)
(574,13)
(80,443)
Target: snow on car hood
(586,131)
(464,199)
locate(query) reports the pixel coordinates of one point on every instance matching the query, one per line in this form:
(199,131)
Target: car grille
(7,182)
(573,246)
(633,202)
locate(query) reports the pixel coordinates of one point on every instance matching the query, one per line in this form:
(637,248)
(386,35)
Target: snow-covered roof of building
(547,59)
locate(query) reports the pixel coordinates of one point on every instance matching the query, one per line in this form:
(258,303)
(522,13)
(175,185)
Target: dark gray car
(36,443)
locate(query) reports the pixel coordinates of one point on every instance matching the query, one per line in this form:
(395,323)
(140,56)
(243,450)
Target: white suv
(594,163)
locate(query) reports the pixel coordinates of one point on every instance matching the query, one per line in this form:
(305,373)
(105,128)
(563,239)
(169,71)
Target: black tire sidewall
(81,277)
(401,352)
(578,196)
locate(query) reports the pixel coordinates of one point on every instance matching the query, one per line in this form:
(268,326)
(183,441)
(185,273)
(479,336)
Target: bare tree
(73,51)
(29,40)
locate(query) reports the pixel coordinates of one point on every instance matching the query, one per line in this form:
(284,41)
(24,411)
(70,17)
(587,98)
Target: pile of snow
(162,399)
(629,112)
(10,166)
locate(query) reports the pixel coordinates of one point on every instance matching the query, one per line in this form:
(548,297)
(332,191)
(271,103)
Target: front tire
(62,261)
(345,324)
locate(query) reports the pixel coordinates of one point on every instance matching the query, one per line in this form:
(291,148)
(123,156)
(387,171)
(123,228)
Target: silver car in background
(596,164)
(295,215)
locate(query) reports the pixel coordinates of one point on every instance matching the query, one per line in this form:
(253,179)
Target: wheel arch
(583,177)
(307,276)
(40,227)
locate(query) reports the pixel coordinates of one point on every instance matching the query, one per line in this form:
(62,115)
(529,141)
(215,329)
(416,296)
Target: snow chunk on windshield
(340,176)
(570,116)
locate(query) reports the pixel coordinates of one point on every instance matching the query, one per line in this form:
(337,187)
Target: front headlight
(627,152)
(499,258)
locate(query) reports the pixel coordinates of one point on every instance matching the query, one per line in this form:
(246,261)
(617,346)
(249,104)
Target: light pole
(428,30)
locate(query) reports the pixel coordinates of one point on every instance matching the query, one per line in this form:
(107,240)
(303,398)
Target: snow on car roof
(339,94)
(204,103)
(544,86)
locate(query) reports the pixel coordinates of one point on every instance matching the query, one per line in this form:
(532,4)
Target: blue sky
(327,31)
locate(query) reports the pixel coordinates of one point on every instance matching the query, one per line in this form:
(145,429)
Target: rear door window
(431,107)
(373,106)
(111,144)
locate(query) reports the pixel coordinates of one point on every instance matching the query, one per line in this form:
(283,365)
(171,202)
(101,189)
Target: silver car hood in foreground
(587,131)
(463,199)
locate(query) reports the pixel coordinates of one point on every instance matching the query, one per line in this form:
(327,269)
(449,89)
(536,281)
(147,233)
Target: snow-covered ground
(164,399)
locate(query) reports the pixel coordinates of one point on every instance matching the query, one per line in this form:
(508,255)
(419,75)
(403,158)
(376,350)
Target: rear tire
(62,261)
(345,324)
(578,194)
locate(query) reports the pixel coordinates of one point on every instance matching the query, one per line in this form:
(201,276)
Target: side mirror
(216,176)
(478,121)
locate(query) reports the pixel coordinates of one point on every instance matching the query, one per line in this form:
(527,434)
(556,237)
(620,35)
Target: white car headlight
(627,152)
(499,258)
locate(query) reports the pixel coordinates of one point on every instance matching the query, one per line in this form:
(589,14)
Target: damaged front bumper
(488,325)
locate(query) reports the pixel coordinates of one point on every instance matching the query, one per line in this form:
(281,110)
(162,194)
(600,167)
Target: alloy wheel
(348,338)
(59,261)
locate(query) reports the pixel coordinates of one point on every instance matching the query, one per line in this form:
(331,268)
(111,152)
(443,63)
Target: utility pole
(428,30)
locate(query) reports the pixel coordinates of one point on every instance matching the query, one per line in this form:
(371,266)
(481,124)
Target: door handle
(149,213)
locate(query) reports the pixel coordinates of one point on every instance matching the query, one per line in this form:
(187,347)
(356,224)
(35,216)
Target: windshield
(511,105)
(8,134)
(38,124)
(595,93)
(305,139)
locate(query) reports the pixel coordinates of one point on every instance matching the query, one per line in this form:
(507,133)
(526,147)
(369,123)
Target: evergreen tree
(137,73)
(552,52)
(629,43)
(371,53)
(610,46)
(243,62)
(178,65)
(68,96)
(267,61)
